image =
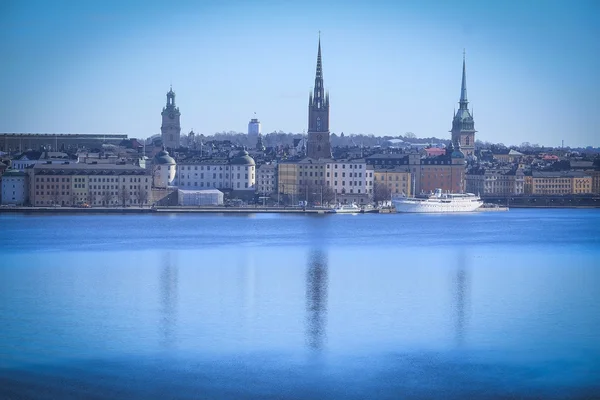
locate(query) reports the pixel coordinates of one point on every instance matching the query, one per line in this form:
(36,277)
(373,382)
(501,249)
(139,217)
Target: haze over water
(289,306)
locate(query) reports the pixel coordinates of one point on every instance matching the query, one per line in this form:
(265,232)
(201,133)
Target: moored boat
(346,209)
(438,202)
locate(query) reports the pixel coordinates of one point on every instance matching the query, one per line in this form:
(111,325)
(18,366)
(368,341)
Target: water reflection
(461,298)
(316,299)
(168,300)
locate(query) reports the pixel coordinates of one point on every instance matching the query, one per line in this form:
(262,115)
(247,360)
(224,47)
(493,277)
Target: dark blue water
(488,305)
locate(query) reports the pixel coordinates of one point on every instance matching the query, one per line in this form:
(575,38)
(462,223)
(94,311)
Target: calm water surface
(268,306)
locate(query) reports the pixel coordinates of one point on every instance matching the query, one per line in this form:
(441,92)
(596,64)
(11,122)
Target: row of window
(214,185)
(189,168)
(67,180)
(215,176)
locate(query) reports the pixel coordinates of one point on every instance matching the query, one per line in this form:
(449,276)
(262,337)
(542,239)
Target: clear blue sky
(533,67)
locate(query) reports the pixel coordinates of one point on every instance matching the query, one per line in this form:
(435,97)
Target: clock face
(171,115)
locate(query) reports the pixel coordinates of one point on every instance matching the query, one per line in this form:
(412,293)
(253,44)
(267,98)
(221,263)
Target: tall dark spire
(319,91)
(463,88)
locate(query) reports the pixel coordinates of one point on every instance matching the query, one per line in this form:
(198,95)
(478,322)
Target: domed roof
(163,158)
(243,159)
(457,154)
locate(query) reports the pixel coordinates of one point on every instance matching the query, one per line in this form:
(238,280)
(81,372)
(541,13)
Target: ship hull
(436,207)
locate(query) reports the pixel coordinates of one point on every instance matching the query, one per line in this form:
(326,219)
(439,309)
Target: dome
(243,159)
(163,158)
(457,154)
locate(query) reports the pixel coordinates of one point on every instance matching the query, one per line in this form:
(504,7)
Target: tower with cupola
(171,126)
(318,145)
(463,126)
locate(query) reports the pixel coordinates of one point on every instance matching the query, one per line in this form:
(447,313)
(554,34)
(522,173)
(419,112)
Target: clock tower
(318,145)
(463,126)
(171,126)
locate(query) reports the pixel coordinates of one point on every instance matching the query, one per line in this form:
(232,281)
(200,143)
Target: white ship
(438,202)
(346,209)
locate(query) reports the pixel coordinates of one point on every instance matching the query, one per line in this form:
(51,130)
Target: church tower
(171,126)
(463,126)
(318,145)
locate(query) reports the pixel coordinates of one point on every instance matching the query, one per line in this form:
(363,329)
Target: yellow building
(581,184)
(396,179)
(94,184)
(560,183)
(287,178)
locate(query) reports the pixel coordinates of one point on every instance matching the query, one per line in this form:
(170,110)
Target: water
(489,305)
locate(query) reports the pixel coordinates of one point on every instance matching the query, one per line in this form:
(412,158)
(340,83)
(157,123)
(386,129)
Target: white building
(15,188)
(164,170)
(237,173)
(206,197)
(266,179)
(349,176)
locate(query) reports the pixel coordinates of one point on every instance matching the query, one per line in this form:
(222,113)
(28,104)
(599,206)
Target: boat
(368,208)
(346,209)
(438,202)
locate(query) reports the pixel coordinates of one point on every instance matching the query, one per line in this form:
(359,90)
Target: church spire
(463,88)
(319,91)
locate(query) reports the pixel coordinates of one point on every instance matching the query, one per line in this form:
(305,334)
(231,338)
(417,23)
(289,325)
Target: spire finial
(463,88)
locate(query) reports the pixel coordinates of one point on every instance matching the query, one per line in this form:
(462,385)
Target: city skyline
(389,68)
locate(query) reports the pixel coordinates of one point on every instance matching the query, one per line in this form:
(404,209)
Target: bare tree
(106,197)
(55,195)
(142,195)
(381,192)
(124,195)
(90,197)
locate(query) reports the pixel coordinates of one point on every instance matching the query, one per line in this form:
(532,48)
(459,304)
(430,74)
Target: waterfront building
(463,125)
(318,143)
(446,172)
(171,125)
(288,174)
(495,181)
(10,142)
(560,183)
(266,179)
(94,184)
(595,175)
(164,170)
(15,188)
(30,158)
(349,177)
(236,174)
(396,178)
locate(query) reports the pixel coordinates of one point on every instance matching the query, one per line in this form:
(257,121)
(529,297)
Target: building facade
(396,179)
(266,179)
(235,174)
(463,125)
(318,145)
(560,183)
(15,188)
(96,185)
(170,129)
(495,182)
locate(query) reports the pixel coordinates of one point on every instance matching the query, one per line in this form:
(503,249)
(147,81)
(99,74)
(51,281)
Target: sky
(391,67)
